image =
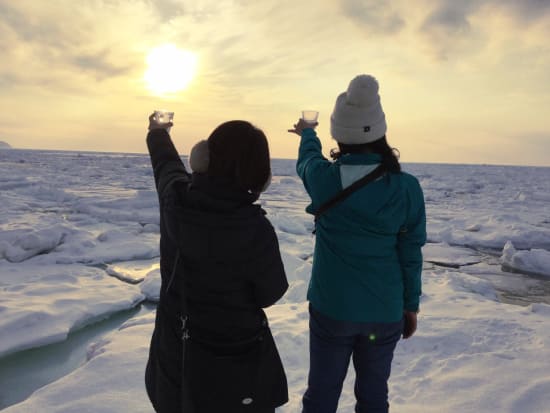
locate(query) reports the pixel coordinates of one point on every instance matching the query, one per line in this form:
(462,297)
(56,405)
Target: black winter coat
(228,268)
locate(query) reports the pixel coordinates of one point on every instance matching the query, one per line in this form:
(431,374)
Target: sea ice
(42,304)
(533,261)
(59,242)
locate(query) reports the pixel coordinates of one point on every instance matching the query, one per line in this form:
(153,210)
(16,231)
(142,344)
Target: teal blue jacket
(367,262)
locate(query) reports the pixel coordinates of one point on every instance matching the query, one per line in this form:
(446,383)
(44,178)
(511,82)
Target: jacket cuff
(412,306)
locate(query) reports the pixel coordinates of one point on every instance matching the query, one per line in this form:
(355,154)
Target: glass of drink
(310,116)
(164,116)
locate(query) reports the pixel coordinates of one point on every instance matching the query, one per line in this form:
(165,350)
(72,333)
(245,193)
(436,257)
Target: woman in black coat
(211,349)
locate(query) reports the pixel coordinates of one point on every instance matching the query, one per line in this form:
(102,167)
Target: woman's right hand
(155,124)
(301,125)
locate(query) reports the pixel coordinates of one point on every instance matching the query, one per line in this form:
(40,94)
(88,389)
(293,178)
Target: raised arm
(312,167)
(166,163)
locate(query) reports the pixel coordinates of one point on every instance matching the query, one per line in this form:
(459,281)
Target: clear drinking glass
(310,116)
(164,116)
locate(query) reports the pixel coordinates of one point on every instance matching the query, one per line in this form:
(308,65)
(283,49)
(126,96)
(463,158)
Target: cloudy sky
(461,81)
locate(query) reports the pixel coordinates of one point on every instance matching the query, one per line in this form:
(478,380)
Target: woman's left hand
(301,125)
(155,124)
(410,325)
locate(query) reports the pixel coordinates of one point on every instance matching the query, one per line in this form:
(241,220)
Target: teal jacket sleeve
(314,169)
(409,246)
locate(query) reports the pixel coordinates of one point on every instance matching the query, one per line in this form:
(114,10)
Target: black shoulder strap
(339,197)
(183,302)
(184,312)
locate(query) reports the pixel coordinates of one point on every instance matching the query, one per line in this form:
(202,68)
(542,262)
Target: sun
(169,69)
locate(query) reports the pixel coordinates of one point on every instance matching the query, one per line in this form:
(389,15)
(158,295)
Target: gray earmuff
(199,157)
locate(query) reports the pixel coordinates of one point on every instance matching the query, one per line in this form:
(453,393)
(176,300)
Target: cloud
(99,63)
(102,45)
(31,24)
(168,9)
(266,59)
(245,45)
(526,11)
(373,16)
(457,28)
(456,15)
(451,17)
(66,47)
(447,28)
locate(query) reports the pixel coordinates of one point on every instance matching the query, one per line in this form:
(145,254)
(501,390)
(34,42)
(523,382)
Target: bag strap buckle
(185,330)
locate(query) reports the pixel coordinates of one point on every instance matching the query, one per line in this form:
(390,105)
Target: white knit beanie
(358,116)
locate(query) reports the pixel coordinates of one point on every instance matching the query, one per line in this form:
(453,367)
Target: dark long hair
(239,151)
(390,156)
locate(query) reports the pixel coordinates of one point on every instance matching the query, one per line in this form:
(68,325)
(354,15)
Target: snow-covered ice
(40,304)
(79,242)
(533,261)
(443,254)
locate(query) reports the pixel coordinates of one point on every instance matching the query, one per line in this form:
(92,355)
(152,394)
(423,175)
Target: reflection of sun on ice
(169,69)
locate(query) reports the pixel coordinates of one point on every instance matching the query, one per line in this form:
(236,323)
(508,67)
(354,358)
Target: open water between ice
(24,372)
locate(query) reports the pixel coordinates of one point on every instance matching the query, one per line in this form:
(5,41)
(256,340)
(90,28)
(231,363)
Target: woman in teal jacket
(366,278)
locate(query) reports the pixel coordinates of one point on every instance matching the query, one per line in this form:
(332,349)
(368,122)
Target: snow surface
(79,242)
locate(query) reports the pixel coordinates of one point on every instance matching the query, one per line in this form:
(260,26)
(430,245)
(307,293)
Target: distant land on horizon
(5,145)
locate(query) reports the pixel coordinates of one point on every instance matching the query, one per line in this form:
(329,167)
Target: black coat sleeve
(269,282)
(167,165)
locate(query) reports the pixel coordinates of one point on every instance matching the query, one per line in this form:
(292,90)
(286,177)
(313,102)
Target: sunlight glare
(169,69)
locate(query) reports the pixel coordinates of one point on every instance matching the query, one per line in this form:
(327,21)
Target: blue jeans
(331,345)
